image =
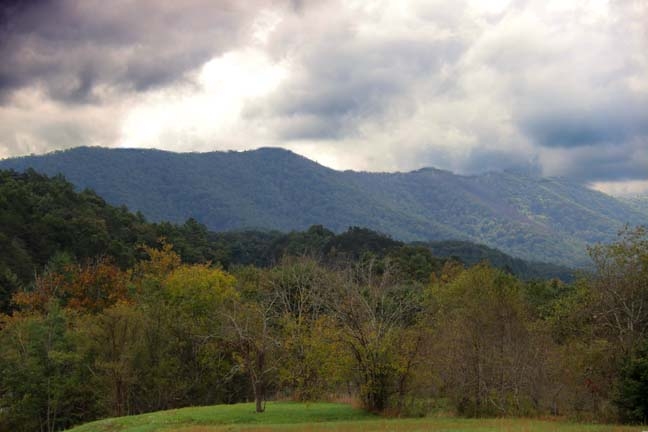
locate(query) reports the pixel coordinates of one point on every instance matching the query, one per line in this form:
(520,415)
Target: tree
(373,313)
(620,288)
(313,363)
(619,310)
(113,338)
(251,331)
(487,357)
(183,357)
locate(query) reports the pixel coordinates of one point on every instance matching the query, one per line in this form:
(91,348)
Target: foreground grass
(277,413)
(320,417)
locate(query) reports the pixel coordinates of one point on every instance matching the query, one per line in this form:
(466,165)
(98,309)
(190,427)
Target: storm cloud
(553,87)
(72,48)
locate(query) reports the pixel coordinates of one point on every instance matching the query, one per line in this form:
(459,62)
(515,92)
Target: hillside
(472,254)
(44,221)
(418,259)
(541,219)
(638,202)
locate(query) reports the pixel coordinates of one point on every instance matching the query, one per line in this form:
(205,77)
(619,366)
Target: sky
(548,87)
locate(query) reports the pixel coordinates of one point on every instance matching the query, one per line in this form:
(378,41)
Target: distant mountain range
(540,219)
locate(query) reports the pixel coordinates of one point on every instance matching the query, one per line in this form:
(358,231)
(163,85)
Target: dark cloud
(608,123)
(618,161)
(593,130)
(574,130)
(71,47)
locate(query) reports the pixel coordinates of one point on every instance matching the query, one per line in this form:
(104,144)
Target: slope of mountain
(638,202)
(471,254)
(534,218)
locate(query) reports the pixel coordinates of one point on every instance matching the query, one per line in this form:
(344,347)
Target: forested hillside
(44,221)
(639,202)
(472,254)
(533,218)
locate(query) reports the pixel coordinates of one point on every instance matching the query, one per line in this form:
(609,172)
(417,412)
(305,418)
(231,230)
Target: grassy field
(320,417)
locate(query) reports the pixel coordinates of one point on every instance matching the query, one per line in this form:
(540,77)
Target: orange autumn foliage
(90,287)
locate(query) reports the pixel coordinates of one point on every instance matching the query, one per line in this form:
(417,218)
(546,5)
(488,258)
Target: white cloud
(622,188)
(205,111)
(33,123)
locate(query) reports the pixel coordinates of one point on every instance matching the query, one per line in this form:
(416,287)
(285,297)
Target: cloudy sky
(554,87)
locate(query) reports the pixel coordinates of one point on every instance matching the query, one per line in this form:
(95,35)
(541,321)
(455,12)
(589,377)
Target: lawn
(320,417)
(277,413)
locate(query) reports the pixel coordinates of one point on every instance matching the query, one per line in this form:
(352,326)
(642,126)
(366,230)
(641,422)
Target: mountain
(541,219)
(638,202)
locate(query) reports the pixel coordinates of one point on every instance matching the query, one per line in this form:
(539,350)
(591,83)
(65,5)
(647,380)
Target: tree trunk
(259,403)
(258,384)
(259,395)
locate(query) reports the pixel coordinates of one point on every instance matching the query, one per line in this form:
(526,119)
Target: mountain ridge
(535,218)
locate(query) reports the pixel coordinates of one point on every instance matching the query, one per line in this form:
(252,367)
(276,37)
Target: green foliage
(472,254)
(534,218)
(490,354)
(620,287)
(180,357)
(41,218)
(543,295)
(199,290)
(633,387)
(619,294)
(45,384)
(378,321)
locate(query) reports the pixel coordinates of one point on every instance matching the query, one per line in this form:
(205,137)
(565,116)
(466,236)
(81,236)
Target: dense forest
(534,218)
(44,220)
(106,314)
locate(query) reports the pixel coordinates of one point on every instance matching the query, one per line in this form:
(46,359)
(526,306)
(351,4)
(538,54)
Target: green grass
(321,417)
(277,413)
